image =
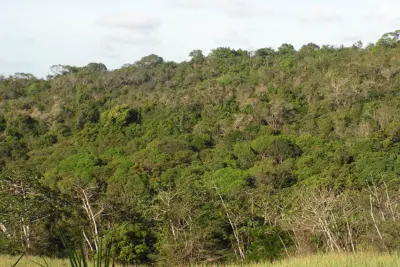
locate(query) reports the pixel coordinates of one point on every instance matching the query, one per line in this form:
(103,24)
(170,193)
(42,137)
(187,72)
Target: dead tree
(92,216)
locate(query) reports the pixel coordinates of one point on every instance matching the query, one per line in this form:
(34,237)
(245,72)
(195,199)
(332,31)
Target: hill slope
(234,155)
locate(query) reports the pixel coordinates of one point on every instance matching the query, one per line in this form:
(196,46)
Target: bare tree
(318,214)
(92,215)
(384,207)
(233,224)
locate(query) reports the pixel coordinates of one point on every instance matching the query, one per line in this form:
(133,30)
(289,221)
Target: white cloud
(129,21)
(234,39)
(191,4)
(386,16)
(389,11)
(234,9)
(127,39)
(127,30)
(350,39)
(105,46)
(8,67)
(320,15)
(194,4)
(18,39)
(108,55)
(242,9)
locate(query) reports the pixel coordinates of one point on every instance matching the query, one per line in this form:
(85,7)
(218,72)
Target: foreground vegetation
(332,260)
(32,261)
(236,156)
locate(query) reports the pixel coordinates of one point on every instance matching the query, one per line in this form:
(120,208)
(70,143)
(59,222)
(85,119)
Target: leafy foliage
(232,156)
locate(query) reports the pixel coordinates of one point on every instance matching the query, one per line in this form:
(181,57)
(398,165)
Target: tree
(278,111)
(60,70)
(25,76)
(197,56)
(24,204)
(118,117)
(265,52)
(94,68)
(286,49)
(150,61)
(224,52)
(75,178)
(279,148)
(358,45)
(245,155)
(309,48)
(389,39)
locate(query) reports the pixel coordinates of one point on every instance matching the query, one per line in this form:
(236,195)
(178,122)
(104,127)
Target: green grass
(323,260)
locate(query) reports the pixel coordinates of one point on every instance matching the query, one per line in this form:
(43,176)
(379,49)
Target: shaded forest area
(233,156)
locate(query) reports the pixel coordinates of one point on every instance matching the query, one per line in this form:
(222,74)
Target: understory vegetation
(235,156)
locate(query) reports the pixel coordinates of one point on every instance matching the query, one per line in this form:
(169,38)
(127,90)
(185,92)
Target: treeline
(232,156)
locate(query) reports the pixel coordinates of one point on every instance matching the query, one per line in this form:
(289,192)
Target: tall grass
(361,259)
(369,259)
(78,257)
(32,261)
(29,261)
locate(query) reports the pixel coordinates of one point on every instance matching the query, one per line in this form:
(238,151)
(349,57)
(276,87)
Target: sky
(36,34)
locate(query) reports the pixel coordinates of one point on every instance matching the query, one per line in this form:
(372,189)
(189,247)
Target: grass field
(326,260)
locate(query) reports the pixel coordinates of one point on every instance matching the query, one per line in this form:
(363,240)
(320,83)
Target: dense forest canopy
(230,156)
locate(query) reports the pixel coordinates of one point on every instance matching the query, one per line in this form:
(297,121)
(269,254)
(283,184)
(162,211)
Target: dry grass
(27,261)
(322,260)
(338,260)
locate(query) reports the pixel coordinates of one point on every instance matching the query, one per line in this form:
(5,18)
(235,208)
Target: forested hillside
(232,156)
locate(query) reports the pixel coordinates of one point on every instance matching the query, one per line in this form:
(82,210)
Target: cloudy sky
(37,34)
